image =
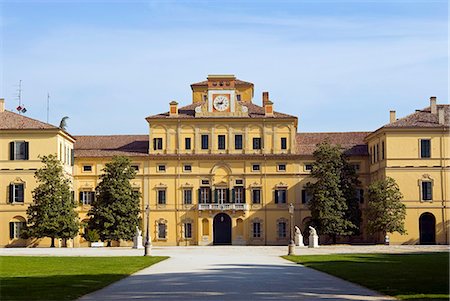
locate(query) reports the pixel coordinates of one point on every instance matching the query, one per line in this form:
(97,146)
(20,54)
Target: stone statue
(298,238)
(313,238)
(137,239)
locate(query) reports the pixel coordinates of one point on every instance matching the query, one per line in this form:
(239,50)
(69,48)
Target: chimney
(173,108)
(2,105)
(441,116)
(265,97)
(268,109)
(392,117)
(433,105)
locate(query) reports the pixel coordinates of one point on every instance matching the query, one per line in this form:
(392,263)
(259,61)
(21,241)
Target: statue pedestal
(313,241)
(299,240)
(137,242)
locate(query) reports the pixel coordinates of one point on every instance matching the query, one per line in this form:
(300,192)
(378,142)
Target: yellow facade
(223,170)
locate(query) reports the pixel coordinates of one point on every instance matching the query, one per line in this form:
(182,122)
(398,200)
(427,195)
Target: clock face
(221,103)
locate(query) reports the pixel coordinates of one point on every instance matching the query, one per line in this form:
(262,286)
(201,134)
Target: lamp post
(148,244)
(291,246)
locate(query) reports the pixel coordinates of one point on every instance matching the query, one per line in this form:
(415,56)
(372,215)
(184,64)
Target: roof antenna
(21,109)
(48,105)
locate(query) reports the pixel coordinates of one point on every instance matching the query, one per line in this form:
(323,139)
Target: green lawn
(63,278)
(404,276)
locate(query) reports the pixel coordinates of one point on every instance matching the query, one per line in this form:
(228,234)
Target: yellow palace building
(224,169)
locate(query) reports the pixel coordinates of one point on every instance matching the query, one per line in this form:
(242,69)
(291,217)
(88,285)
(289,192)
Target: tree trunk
(108,244)
(334,239)
(53,243)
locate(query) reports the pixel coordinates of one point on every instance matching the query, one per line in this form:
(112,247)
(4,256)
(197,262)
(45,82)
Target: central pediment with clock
(221,103)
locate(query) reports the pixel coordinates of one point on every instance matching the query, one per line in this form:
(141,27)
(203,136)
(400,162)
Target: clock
(221,103)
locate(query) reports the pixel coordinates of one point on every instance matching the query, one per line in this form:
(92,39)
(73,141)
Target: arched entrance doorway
(222,229)
(427,228)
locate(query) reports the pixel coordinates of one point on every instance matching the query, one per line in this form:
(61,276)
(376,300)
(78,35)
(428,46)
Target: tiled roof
(352,142)
(13,121)
(254,111)
(237,82)
(422,119)
(108,146)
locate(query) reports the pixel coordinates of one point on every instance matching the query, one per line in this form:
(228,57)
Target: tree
(63,123)
(328,206)
(52,213)
(387,212)
(114,212)
(349,185)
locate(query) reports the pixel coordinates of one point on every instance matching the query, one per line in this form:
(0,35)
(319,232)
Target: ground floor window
(256,229)
(187,230)
(162,231)
(15,228)
(282,229)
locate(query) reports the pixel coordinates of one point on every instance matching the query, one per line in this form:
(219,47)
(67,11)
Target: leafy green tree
(52,213)
(349,185)
(386,211)
(328,205)
(115,210)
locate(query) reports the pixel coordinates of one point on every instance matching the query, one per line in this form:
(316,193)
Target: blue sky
(337,65)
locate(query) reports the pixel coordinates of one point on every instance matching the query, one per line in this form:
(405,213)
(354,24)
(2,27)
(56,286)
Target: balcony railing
(222,206)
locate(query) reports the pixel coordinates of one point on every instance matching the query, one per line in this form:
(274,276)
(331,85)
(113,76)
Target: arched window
(15,227)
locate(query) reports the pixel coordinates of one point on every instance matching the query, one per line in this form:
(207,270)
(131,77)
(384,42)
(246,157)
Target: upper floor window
(427,192)
(257,143)
(256,196)
(239,194)
(382,150)
(283,143)
(16,193)
(161,168)
(87,197)
(187,196)
(280,196)
(187,143)
(161,196)
(221,142)
(308,167)
(306,196)
(135,167)
(356,166)
(205,141)
(238,97)
(187,167)
(204,195)
(157,143)
(377,158)
(425,148)
(87,168)
(18,150)
(281,167)
(238,142)
(256,167)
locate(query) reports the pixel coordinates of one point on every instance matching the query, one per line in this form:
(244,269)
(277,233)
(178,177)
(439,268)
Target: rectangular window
(256,143)
(161,197)
(187,230)
(239,182)
(238,142)
(187,167)
(306,197)
(221,142)
(282,230)
(377,150)
(187,196)
(280,196)
(382,150)
(281,167)
(256,196)
(18,150)
(308,167)
(135,167)
(16,193)
(187,143)
(157,144)
(15,228)
(222,195)
(256,167)
(205,195)
(87,197)
(205,182)
(425,148)
(238,97)
(239,195)
(161,168)
(283,143)
(205,141)
(360,195)
(256,230)
(87,168)
(356,167)
(427,194)
(162,231)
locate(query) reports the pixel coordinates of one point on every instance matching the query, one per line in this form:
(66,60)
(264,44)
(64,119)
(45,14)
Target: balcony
(222,206)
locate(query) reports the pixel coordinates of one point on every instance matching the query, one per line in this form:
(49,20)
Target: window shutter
(199,195)
(11,193)
(154,143)
(303,196)
(11,150)
(243,195)
(11,230)
(26,151)
(216,197)
(72,157)
(233,196)
(209,195)
(80,197)
(276,196)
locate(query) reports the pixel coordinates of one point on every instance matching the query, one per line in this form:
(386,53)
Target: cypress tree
(52,213)
(115,210)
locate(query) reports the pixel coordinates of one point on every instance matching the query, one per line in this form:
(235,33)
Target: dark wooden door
(427,227)
(222,229)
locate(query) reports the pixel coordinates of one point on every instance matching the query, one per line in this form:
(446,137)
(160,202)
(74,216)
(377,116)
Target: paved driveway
(230,273)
